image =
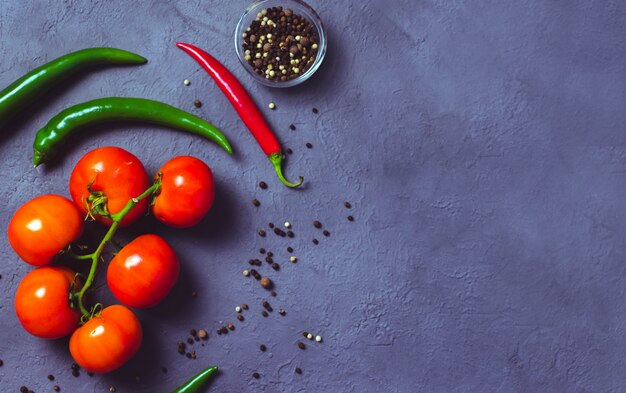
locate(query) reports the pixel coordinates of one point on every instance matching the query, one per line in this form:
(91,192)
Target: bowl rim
(299,7)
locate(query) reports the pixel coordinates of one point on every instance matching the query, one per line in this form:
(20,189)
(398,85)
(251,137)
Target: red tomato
(44,226)
(115,172)
(106,341)
(187,192)
(42,302)
(143,272)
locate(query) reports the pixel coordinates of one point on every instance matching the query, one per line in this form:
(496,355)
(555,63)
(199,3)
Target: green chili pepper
(195,383)
(52,135)
(32,85)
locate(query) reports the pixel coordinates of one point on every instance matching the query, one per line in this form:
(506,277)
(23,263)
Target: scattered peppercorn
(193,332)
(347,205)
(316,242)
(298,370)
(305,334)
(289,249)
(266,283)
(255,274)
(112,389)
(326,233)
(231,326)
(181,347)
(270,254)
(190,341)
(309,145)
(263,185)
(23,389)
(75,367)
(269,259)
(267,306)
(188,355)
(262,250)
(256,375)
(197,103)
(264,313)
(240,317)
(203,334)
(56,388)
(317,224)
(292,127)
(51,377)
(282,312)
(315,110)
(293,259)
(261,233)
(244,306)
(262,347)
(75,373)
(350,218)
(288,151)
(256,202)
(273,293)
(290,234)
(1,363)
(275,266)
(301,345)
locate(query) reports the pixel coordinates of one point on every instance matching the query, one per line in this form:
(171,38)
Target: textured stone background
(482,145)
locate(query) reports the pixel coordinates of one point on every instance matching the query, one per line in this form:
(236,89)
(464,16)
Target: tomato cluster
(109,185)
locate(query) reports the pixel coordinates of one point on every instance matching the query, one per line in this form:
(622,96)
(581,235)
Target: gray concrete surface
(481,145)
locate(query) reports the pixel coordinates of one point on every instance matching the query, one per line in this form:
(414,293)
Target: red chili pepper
(243,104)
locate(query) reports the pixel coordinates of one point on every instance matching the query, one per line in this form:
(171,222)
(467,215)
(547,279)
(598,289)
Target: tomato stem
(79,257)
(96,255)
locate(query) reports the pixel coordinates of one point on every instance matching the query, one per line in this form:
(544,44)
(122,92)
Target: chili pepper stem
(277,159)
(96,255)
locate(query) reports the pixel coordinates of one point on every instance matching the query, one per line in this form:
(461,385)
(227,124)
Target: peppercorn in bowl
(280,43)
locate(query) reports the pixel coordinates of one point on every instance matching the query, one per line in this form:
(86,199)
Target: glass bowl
(298,7)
